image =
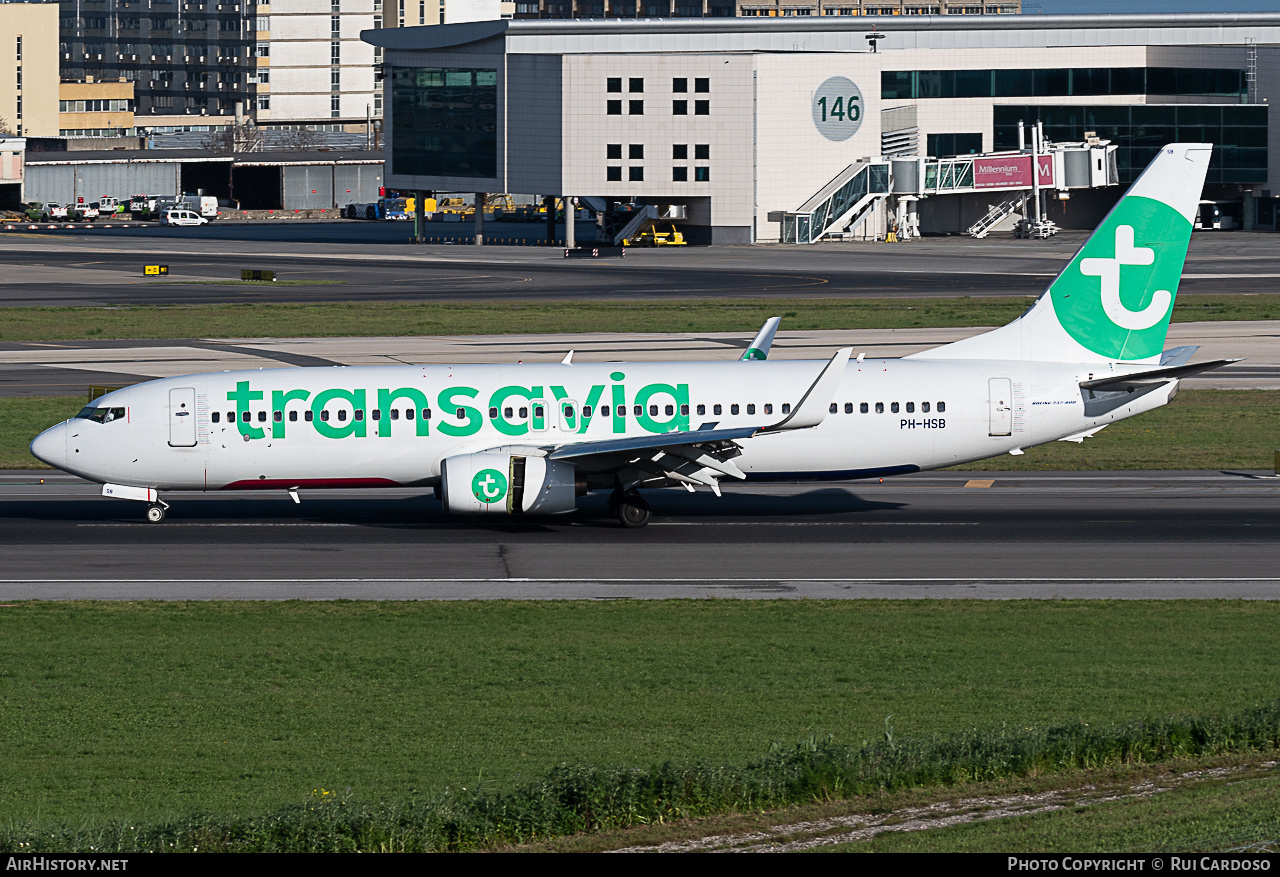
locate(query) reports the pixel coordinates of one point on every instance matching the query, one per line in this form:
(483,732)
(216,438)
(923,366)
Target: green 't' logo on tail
(1117,295)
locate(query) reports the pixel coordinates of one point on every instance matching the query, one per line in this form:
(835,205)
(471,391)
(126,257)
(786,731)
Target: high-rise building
(28,69)
(186,58)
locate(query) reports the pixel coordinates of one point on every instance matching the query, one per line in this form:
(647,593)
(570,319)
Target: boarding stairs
(840,205)
(646,216)
(999,213)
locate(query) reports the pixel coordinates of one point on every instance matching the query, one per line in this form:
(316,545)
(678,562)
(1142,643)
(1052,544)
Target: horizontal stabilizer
(1123,382)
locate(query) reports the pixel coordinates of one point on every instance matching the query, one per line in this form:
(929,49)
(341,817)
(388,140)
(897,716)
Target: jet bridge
(850,199)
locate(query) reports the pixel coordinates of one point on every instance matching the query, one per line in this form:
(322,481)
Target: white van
(205,205)
(182,216)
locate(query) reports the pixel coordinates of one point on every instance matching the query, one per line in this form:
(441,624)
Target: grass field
(140,711)
(488,317)
(1201,429)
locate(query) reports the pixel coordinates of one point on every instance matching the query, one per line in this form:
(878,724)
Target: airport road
(1130,535)
(69,368)
(104,267)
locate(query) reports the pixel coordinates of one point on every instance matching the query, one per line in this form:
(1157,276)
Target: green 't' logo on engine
(489,485)
(1116,296)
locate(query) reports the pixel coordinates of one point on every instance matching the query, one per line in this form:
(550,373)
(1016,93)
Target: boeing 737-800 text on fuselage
(530,439)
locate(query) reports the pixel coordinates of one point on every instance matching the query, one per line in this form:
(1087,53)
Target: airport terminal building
(744,121)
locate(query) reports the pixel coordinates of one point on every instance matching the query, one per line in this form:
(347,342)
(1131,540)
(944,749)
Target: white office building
(742,121)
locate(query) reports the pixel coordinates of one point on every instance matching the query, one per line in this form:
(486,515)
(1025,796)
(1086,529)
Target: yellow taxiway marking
(979,482)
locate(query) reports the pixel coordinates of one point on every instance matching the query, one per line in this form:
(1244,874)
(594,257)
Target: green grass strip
(1200,429)
(257,320)
(575,799)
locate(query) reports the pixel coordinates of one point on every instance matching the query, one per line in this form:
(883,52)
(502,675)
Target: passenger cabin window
(942,406)
(733,409)
(924,407)
(309,416)
(262,417)
(893,407)
(864,408)
(786,407)
(718,409)
(702,409)
(324,415)
(833,408)
(751,408)
(342,414)
(879,408)
(215,417)
(848,408)
(293,417)
(911,407)
(277,416)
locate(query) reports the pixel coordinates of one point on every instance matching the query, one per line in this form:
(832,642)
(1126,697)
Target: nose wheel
(155,512)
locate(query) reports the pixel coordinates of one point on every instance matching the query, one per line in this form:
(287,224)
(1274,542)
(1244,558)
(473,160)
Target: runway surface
(1131,535)
(66,368)
(103,267)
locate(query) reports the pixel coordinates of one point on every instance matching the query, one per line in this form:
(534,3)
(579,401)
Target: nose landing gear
(156,507)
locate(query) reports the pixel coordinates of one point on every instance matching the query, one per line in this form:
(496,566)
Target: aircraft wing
(705,455)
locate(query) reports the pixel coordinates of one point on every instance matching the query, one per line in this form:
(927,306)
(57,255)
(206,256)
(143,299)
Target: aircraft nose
(50,446)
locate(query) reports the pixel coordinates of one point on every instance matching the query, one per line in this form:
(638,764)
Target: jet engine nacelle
(492,483)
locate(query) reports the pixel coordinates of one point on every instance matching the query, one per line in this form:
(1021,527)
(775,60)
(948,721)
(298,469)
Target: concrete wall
(727,131)
(794,159)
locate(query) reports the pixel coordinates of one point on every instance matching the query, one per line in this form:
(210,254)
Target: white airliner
(529,438)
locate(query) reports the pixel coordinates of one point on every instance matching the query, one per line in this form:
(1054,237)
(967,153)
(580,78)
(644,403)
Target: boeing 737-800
(529,439)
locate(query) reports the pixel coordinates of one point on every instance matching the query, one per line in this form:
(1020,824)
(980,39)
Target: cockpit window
(100,415)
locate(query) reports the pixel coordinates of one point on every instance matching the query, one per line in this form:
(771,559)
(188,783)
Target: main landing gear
(155,512)
(631,510)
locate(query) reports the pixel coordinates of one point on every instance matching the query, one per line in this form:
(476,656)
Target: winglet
(812,409)
(759,347)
